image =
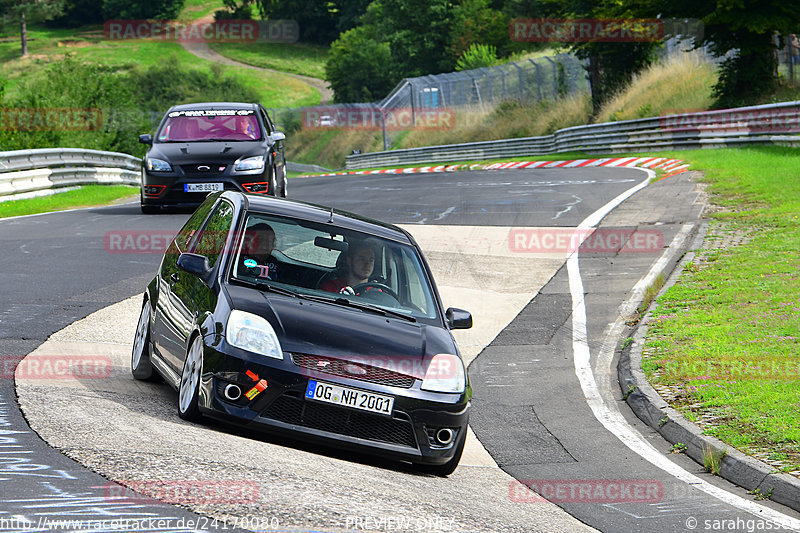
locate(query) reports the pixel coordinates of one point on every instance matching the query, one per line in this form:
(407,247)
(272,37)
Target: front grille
(214,169)
(341,420)
(319,364)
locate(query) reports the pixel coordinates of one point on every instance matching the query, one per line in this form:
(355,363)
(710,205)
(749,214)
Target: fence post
(555,77)
(538,80)
(521,83)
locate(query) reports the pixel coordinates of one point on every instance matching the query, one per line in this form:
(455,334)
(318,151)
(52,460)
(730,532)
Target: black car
(203,148)
(251,318)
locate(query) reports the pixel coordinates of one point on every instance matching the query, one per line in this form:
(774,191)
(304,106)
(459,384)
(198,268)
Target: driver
(257,256)
(360,261)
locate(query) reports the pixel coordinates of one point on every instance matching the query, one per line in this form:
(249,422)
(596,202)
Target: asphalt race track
(547,406)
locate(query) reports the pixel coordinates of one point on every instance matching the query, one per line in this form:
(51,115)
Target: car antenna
(330,220)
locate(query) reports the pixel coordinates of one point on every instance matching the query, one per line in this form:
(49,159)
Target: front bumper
(408,434)
(168,188)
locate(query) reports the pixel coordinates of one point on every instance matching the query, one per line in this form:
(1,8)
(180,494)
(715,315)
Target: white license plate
(202,187)
(335,394)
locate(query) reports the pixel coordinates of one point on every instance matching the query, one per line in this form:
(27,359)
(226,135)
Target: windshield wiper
(264,286)
(363,306)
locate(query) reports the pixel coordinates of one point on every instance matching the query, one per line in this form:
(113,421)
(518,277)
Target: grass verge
(724,339)
(87,196)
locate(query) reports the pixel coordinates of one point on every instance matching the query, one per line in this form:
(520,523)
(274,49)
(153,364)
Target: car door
(166,333)
(191,296)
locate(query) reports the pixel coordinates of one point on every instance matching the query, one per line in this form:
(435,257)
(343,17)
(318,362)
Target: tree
(23,11)
(475,22)
(356,67)
(142,9)
(610,65)
(742,30)
(477,56)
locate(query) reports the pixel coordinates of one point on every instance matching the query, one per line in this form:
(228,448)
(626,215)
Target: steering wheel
(385,288)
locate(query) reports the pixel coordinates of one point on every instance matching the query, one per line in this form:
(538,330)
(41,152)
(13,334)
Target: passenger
(256,257)
(360,262)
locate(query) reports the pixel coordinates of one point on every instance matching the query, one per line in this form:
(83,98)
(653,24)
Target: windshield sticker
(250,263)
(211,113)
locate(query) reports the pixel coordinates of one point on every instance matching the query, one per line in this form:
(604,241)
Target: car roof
(214,105)
(319,214)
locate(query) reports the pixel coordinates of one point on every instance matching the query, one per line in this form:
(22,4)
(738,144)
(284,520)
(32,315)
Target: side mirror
(146,139)
(458,318)
(197,265)
(277,136)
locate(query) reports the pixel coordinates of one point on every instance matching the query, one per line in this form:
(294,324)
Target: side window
(267,122)
(212,239)
(192,226)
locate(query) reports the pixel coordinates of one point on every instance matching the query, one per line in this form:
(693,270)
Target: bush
(129,101)
(151,9)
(477,56)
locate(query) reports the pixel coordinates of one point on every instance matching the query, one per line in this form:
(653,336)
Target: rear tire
(450,466)
(189,390)
(141,367)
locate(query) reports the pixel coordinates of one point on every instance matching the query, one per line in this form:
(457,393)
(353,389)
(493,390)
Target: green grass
(89,195)
(726,337)
(46,45)
(197,9)
(298,58)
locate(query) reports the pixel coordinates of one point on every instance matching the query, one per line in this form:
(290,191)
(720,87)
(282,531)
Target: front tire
(284,183)
(189,390)
(150,209)
(141,367)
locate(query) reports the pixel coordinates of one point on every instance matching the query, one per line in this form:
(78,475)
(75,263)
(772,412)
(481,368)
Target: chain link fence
(545,78)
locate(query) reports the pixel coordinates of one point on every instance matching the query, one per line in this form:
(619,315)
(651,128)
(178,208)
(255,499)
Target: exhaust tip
(233,392)
(444,436)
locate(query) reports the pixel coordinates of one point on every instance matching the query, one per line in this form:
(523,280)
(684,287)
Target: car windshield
(226,125)
(344,266)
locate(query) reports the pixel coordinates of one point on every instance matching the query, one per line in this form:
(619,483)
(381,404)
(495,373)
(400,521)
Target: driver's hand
(348,290)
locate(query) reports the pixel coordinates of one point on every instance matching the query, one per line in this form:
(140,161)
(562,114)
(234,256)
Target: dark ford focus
(203,148)
(291,317)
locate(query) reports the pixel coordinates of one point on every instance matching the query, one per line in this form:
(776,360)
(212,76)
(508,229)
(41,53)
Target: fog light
(259,188)
(153,190)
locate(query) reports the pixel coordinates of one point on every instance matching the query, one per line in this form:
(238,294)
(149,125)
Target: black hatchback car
(254,318)
(204,148)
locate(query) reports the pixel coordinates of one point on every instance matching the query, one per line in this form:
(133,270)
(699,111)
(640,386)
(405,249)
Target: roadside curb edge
(735,466)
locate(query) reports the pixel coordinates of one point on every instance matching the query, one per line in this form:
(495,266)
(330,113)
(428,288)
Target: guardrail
(764,124)
(26,172)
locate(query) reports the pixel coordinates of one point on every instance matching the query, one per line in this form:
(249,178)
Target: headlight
(445,374)
(158,165)
(250,163)
(252,333)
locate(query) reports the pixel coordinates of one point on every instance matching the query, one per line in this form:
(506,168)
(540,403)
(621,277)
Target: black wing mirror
(197,265)
(146,139)
(458,318)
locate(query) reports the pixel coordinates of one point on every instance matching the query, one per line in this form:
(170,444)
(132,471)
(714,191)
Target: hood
(333,330)
(203,152)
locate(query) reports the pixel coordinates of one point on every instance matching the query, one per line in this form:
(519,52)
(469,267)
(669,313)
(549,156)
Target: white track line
(611,418)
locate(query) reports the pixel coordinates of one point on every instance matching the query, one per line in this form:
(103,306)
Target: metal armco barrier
(27,171)
(766,124)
